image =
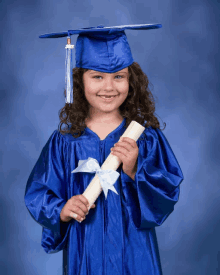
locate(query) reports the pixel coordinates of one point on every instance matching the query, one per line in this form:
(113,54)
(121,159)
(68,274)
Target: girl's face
(105,92)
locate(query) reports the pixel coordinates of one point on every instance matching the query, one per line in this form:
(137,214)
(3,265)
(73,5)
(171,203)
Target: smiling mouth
(104,96)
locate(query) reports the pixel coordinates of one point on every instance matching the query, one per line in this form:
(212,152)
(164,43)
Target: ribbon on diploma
(107,177)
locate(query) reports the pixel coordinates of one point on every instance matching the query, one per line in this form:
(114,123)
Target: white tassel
(68,78)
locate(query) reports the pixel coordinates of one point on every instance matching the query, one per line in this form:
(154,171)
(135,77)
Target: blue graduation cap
(103,49)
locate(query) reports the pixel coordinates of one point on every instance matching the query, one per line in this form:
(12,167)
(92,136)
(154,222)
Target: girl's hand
(127,151)
(77,208)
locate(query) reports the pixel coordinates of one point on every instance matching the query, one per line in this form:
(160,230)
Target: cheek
(125,87)
(90,89)
(93,87)
(89,85)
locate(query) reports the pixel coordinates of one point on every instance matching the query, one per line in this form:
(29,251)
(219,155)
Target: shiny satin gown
(117,237)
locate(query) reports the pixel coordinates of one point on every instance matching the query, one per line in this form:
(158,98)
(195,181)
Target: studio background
(181,61)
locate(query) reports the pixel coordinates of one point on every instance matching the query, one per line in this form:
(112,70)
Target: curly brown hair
(139,104)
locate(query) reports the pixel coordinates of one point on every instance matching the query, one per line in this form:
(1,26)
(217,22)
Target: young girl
(117,235)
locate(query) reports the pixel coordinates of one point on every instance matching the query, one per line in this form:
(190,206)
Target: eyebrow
(95,72)
(121,73)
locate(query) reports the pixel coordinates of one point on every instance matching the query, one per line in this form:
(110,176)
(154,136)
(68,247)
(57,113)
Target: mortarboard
(103,49)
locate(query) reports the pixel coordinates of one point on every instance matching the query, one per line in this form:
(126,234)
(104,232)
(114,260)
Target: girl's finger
(121,150)
(81,205)
(76,217)
(131,141)
(84,200)
(73,215)
(126,146)
(78,211)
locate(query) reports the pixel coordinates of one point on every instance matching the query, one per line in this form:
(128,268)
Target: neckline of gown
(110,134)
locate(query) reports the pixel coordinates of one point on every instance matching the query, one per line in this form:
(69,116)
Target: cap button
(100,26)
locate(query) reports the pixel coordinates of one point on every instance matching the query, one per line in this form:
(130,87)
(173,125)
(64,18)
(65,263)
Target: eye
(97,76)
(119,76)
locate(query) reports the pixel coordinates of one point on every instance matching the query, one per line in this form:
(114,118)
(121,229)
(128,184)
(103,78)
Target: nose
(108,84)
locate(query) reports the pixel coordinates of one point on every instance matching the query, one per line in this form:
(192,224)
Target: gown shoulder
(151,196)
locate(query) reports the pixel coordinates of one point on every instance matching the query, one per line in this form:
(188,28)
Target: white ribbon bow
(107,177)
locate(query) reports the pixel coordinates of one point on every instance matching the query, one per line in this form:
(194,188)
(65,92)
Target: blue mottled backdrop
(182,62)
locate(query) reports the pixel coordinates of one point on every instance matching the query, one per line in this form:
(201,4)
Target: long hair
(139,104)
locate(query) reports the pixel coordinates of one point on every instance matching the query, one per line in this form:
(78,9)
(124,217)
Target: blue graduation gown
(118,236)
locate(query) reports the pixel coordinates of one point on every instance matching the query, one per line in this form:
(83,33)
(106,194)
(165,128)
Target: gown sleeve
(151,196)
(46,193)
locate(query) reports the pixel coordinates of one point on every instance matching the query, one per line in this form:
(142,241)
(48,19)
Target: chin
(107,111)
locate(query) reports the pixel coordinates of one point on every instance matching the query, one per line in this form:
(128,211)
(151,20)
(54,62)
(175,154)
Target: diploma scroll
(94,189)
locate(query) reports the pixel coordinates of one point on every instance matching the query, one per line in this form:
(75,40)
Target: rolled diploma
(112,162)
